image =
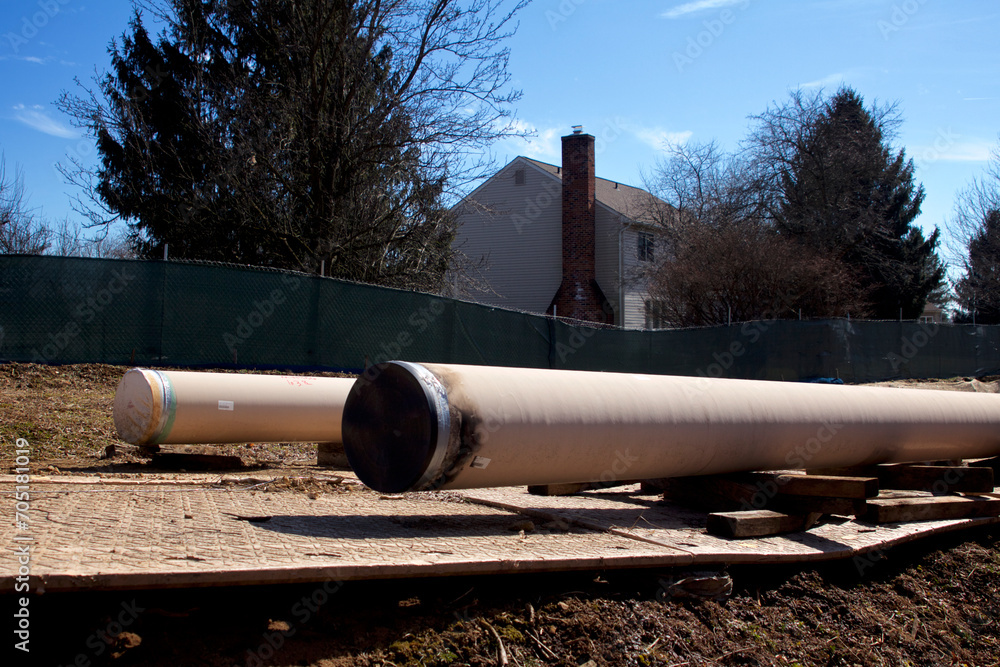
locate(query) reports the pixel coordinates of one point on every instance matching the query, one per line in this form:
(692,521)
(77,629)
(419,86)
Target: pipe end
(396,427)
(140,406)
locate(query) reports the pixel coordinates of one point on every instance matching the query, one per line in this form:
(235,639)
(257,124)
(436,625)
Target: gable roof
(633,203)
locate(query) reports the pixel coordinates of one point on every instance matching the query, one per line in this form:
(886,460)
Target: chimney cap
(578,129)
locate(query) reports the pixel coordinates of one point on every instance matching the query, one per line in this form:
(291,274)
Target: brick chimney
(579,297)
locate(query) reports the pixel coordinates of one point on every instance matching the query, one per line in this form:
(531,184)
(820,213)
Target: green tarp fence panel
(76,310)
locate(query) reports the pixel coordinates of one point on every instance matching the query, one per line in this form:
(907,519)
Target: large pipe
(181,407)
(433,426)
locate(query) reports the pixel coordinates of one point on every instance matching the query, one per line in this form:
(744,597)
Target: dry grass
(65,414)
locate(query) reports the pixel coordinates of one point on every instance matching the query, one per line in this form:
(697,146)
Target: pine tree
(846,194)
(978,291)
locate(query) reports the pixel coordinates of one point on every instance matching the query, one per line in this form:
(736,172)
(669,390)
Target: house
(933,313)
(557,240)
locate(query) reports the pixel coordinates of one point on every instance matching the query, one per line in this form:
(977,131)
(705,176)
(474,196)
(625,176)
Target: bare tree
(972,208)
(20,230)
(723,259)
(974,245)
(69,239)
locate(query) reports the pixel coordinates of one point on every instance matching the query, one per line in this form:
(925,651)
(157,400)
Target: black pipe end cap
(390,428)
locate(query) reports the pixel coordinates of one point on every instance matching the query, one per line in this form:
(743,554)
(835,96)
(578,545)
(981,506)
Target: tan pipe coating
(411,427)
(180,407)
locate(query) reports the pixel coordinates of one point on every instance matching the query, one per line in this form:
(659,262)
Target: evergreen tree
(845,194)
(978,291)
(295,134)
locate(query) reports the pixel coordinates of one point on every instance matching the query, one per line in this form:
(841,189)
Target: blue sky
(633,72)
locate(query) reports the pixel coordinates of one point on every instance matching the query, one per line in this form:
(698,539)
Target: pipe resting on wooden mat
(181,407)
(409,427)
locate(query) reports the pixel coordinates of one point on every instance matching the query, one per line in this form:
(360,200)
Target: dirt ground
(935,602)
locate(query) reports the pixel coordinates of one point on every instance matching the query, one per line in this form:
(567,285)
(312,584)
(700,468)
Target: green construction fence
(63,310)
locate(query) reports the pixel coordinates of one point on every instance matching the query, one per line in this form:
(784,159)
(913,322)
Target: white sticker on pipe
(480,462)
(227,405)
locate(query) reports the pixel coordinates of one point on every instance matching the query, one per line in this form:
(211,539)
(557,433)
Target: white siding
(609,263)
(606,255)
(635,309)
(635,282)
(517,229)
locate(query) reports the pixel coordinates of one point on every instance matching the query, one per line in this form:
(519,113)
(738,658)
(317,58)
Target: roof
(634,203)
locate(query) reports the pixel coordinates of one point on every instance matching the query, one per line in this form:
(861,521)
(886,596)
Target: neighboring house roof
(634,203)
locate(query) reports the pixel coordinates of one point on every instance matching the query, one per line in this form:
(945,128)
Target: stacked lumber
(758,504)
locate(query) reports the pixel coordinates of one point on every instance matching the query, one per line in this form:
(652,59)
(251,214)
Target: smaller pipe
(182,407)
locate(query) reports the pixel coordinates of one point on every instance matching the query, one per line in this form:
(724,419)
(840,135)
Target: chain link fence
(62,310)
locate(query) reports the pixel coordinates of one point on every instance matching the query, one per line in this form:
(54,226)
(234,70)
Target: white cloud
(964,151)
(825,82)
(659,138)
(27,59)
(35,117)
(545,145)
(698,6)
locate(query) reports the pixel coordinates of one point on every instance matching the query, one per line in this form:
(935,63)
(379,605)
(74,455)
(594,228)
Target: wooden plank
(895,510)
(823,505)
(575,487)
(757,523)
(993,463)
(653,486)
(332,455)
(937,479)
(836,486)
(122,449)
(714,493)
(921,477)
(193,459)
(723,493)
(854,471)
(557,489)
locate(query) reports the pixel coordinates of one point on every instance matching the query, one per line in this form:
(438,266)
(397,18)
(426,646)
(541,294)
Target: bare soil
(936,602)
(65,413)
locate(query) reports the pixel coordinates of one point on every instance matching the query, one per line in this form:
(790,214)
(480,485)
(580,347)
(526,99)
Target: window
(654,315)
(519,177)
(644,247)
